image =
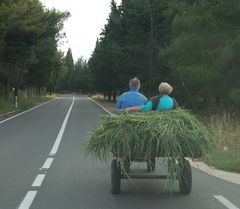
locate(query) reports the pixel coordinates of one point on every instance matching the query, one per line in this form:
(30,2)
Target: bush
(234,95)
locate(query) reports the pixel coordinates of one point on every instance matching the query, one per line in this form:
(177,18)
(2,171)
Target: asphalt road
(43,166)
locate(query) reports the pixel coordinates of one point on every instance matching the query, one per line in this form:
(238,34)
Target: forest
(192,44)
(29,57)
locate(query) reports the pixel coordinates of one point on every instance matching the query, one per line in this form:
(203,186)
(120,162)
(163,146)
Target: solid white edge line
(28,199)
(27,111)
(60,134)
(100,106)
(38,180)
(47,163)
(225,202)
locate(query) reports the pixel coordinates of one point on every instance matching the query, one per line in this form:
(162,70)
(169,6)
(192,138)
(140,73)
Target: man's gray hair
(134,83)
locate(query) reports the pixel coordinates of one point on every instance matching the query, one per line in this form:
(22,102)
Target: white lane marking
(47,163)
(60,134)
(26,111)
(101,106)
(28,199)
(38,180)
(225,202)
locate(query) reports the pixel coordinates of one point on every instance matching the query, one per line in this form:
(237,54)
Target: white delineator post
(16,102)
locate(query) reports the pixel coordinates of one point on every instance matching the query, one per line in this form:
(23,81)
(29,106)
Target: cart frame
(118,173)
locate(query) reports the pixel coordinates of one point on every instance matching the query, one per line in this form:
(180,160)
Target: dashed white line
(47,163)
(38,180)
(28,199)
(225,202)
(60,134)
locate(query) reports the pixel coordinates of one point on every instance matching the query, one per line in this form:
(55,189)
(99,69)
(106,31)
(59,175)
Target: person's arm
(133,109)
(119,103)
(175,104)
(146,107)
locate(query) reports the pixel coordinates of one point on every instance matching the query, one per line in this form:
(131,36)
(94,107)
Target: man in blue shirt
(132,97)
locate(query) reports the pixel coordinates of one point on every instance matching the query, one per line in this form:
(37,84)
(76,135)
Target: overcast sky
(85,24)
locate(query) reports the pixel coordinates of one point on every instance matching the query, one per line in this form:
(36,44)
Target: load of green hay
(174,134)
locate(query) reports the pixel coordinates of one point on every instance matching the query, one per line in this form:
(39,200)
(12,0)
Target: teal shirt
(165,103)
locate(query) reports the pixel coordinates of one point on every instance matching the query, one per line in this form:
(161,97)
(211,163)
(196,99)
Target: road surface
(43,166)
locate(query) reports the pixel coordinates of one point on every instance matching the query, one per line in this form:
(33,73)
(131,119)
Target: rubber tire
(151,164)
(115,177)
(185,180)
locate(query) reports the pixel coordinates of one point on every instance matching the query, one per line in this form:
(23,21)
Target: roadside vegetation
(7,106)
(226,155)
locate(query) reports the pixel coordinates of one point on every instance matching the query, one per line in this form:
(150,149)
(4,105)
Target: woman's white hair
(165,88)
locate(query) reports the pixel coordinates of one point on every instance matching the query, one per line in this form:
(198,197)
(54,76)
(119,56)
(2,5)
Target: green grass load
(173,134)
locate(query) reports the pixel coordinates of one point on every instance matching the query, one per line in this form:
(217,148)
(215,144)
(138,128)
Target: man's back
(131,98)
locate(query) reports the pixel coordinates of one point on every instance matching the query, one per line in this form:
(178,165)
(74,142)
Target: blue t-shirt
(165,103)
(131,98)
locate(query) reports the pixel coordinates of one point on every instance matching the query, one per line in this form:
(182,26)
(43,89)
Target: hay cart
(120,171)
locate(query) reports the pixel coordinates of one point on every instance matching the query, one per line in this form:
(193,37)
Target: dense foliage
(29,34)
(192,44)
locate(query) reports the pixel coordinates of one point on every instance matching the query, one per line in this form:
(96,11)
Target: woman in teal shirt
(160,102)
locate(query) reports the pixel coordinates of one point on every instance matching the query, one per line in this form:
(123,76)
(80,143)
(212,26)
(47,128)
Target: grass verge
(226,155)
(227,161)
(8,106)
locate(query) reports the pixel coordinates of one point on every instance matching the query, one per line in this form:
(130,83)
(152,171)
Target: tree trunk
(109,95)
(105,95)
(16,91)
(6,90)
(30,92)
(114,95)
(39,91)
(218,101)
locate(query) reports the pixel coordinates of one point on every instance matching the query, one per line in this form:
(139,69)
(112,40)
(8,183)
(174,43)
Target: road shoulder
(227,176)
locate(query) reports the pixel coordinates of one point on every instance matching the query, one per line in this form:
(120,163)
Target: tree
(82,76)
(203,34)
(31,34)
(105,61)
(41,74)
(70,69)
(129,45)
(190,43)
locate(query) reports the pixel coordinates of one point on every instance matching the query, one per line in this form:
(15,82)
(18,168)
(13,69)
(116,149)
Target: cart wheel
(115,176)
(151,164)
(185,180)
